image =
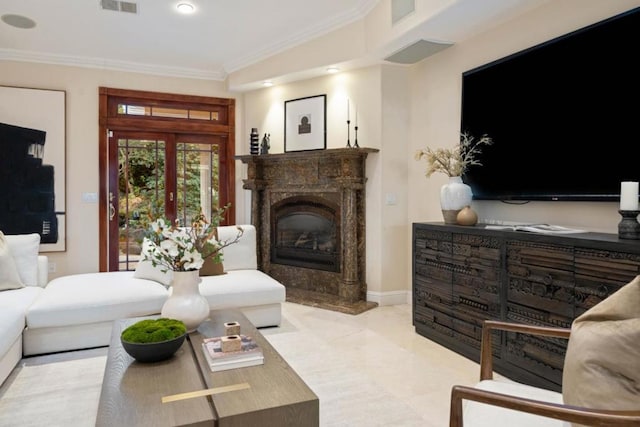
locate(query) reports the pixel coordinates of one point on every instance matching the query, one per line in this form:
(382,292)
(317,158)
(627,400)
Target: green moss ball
(154,330)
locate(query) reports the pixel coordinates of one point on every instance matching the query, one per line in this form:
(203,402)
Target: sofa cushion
(602,367)
(12,321)
(21,298)
(9,277)
(95,297)
(241,288)
(242,255)
(146,270)
(24,249)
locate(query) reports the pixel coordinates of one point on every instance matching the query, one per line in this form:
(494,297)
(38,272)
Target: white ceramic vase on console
(454,196)
(185,302)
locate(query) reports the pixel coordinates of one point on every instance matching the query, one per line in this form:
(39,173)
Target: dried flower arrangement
(454,161)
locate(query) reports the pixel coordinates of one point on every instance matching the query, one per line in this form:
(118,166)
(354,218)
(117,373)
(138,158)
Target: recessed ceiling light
(18,21)
(267,83)
(333,69)
(185,7)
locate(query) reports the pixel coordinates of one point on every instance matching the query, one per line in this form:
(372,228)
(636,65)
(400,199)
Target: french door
(161,155)
(159,175)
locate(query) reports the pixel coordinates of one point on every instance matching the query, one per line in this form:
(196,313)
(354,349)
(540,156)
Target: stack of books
(249,355)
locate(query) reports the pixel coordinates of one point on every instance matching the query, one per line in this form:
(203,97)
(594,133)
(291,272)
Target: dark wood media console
(464,275)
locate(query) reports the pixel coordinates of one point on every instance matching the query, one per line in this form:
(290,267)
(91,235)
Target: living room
(405,108)
(400,109)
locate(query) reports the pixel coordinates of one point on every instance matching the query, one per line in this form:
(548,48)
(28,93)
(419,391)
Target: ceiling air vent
(417,51)
(119,6)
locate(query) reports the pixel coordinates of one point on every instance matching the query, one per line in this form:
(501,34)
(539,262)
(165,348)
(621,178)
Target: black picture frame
(305,124)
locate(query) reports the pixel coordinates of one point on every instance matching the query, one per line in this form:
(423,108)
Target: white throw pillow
(146,270)
(9,277)
(24,249)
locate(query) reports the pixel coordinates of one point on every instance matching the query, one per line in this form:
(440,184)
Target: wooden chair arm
(486,354)
(574,414)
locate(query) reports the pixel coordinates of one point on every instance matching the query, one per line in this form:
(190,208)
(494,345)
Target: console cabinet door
(432,278)
(540,286)
(477,263)
(599,273)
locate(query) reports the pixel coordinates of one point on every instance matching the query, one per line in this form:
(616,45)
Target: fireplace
(309,212)
(306,233)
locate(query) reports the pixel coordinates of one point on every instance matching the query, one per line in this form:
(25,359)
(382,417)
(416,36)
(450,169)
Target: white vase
(454,196)
(185,302)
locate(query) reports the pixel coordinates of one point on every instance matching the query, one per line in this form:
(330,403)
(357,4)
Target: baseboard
(389,298)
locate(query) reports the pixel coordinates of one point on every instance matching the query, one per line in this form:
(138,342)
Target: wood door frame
(109,119)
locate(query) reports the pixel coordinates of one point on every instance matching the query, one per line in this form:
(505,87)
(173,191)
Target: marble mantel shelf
(338,152)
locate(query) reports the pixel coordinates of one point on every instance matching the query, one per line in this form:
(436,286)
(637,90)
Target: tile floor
(372,368)
(369,369)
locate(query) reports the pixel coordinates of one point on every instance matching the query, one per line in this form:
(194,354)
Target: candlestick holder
(348,130)
(355,145)
(629,227)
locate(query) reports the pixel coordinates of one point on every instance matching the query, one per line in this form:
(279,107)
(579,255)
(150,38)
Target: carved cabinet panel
(464,275)
(456,286)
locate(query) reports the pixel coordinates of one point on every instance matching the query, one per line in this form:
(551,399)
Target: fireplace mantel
(335,176)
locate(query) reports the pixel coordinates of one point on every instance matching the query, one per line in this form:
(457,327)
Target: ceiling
(220,37)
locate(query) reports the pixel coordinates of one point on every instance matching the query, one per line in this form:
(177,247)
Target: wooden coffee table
(183,391)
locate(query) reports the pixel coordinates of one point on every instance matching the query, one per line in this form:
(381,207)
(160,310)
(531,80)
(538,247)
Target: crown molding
(301,37)
(107,64)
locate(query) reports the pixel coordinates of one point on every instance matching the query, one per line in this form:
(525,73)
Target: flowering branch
(185,248)
(454,161)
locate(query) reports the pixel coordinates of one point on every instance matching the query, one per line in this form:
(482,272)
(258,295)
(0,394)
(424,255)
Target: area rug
(53,394)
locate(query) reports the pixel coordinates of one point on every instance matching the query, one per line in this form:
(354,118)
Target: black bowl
(154,351)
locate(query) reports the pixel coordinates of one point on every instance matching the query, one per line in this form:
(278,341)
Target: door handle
(171,196)
(112,209)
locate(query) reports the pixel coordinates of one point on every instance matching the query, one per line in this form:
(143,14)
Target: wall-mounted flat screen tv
(564,116)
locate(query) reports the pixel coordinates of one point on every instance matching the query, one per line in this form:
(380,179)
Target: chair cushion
(9,277)
(483,415)
(24,249)
(602,366)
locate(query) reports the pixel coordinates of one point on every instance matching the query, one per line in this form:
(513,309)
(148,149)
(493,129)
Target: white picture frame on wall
(32,147)
(305,123)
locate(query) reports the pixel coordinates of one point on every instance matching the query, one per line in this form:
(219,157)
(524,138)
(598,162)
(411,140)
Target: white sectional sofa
(76,311)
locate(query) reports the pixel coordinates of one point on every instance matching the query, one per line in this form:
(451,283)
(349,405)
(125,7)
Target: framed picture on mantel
(305,123)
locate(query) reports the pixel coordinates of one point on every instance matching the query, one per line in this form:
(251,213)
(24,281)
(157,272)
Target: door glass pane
(197,170)
(141,184)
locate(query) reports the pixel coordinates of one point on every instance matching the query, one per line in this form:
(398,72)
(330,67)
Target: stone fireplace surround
(322,186)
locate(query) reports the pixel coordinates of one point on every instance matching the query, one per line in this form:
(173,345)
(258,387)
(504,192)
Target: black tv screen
(564,116)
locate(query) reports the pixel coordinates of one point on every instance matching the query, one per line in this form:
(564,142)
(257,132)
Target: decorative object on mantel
(453,162)
(348,126)
(265,144)
(355,144)
(183,250)
(467,216)
(305,124)
(253,145)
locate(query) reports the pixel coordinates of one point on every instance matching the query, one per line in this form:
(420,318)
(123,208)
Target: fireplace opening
(306,233)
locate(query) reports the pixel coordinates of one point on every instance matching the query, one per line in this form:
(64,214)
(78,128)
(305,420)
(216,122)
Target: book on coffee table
(249,355)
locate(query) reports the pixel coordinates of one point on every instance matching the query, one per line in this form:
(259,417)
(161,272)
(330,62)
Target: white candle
(629,196)
(347,108)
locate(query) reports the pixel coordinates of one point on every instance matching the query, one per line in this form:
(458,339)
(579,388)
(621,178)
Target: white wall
(435,112)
